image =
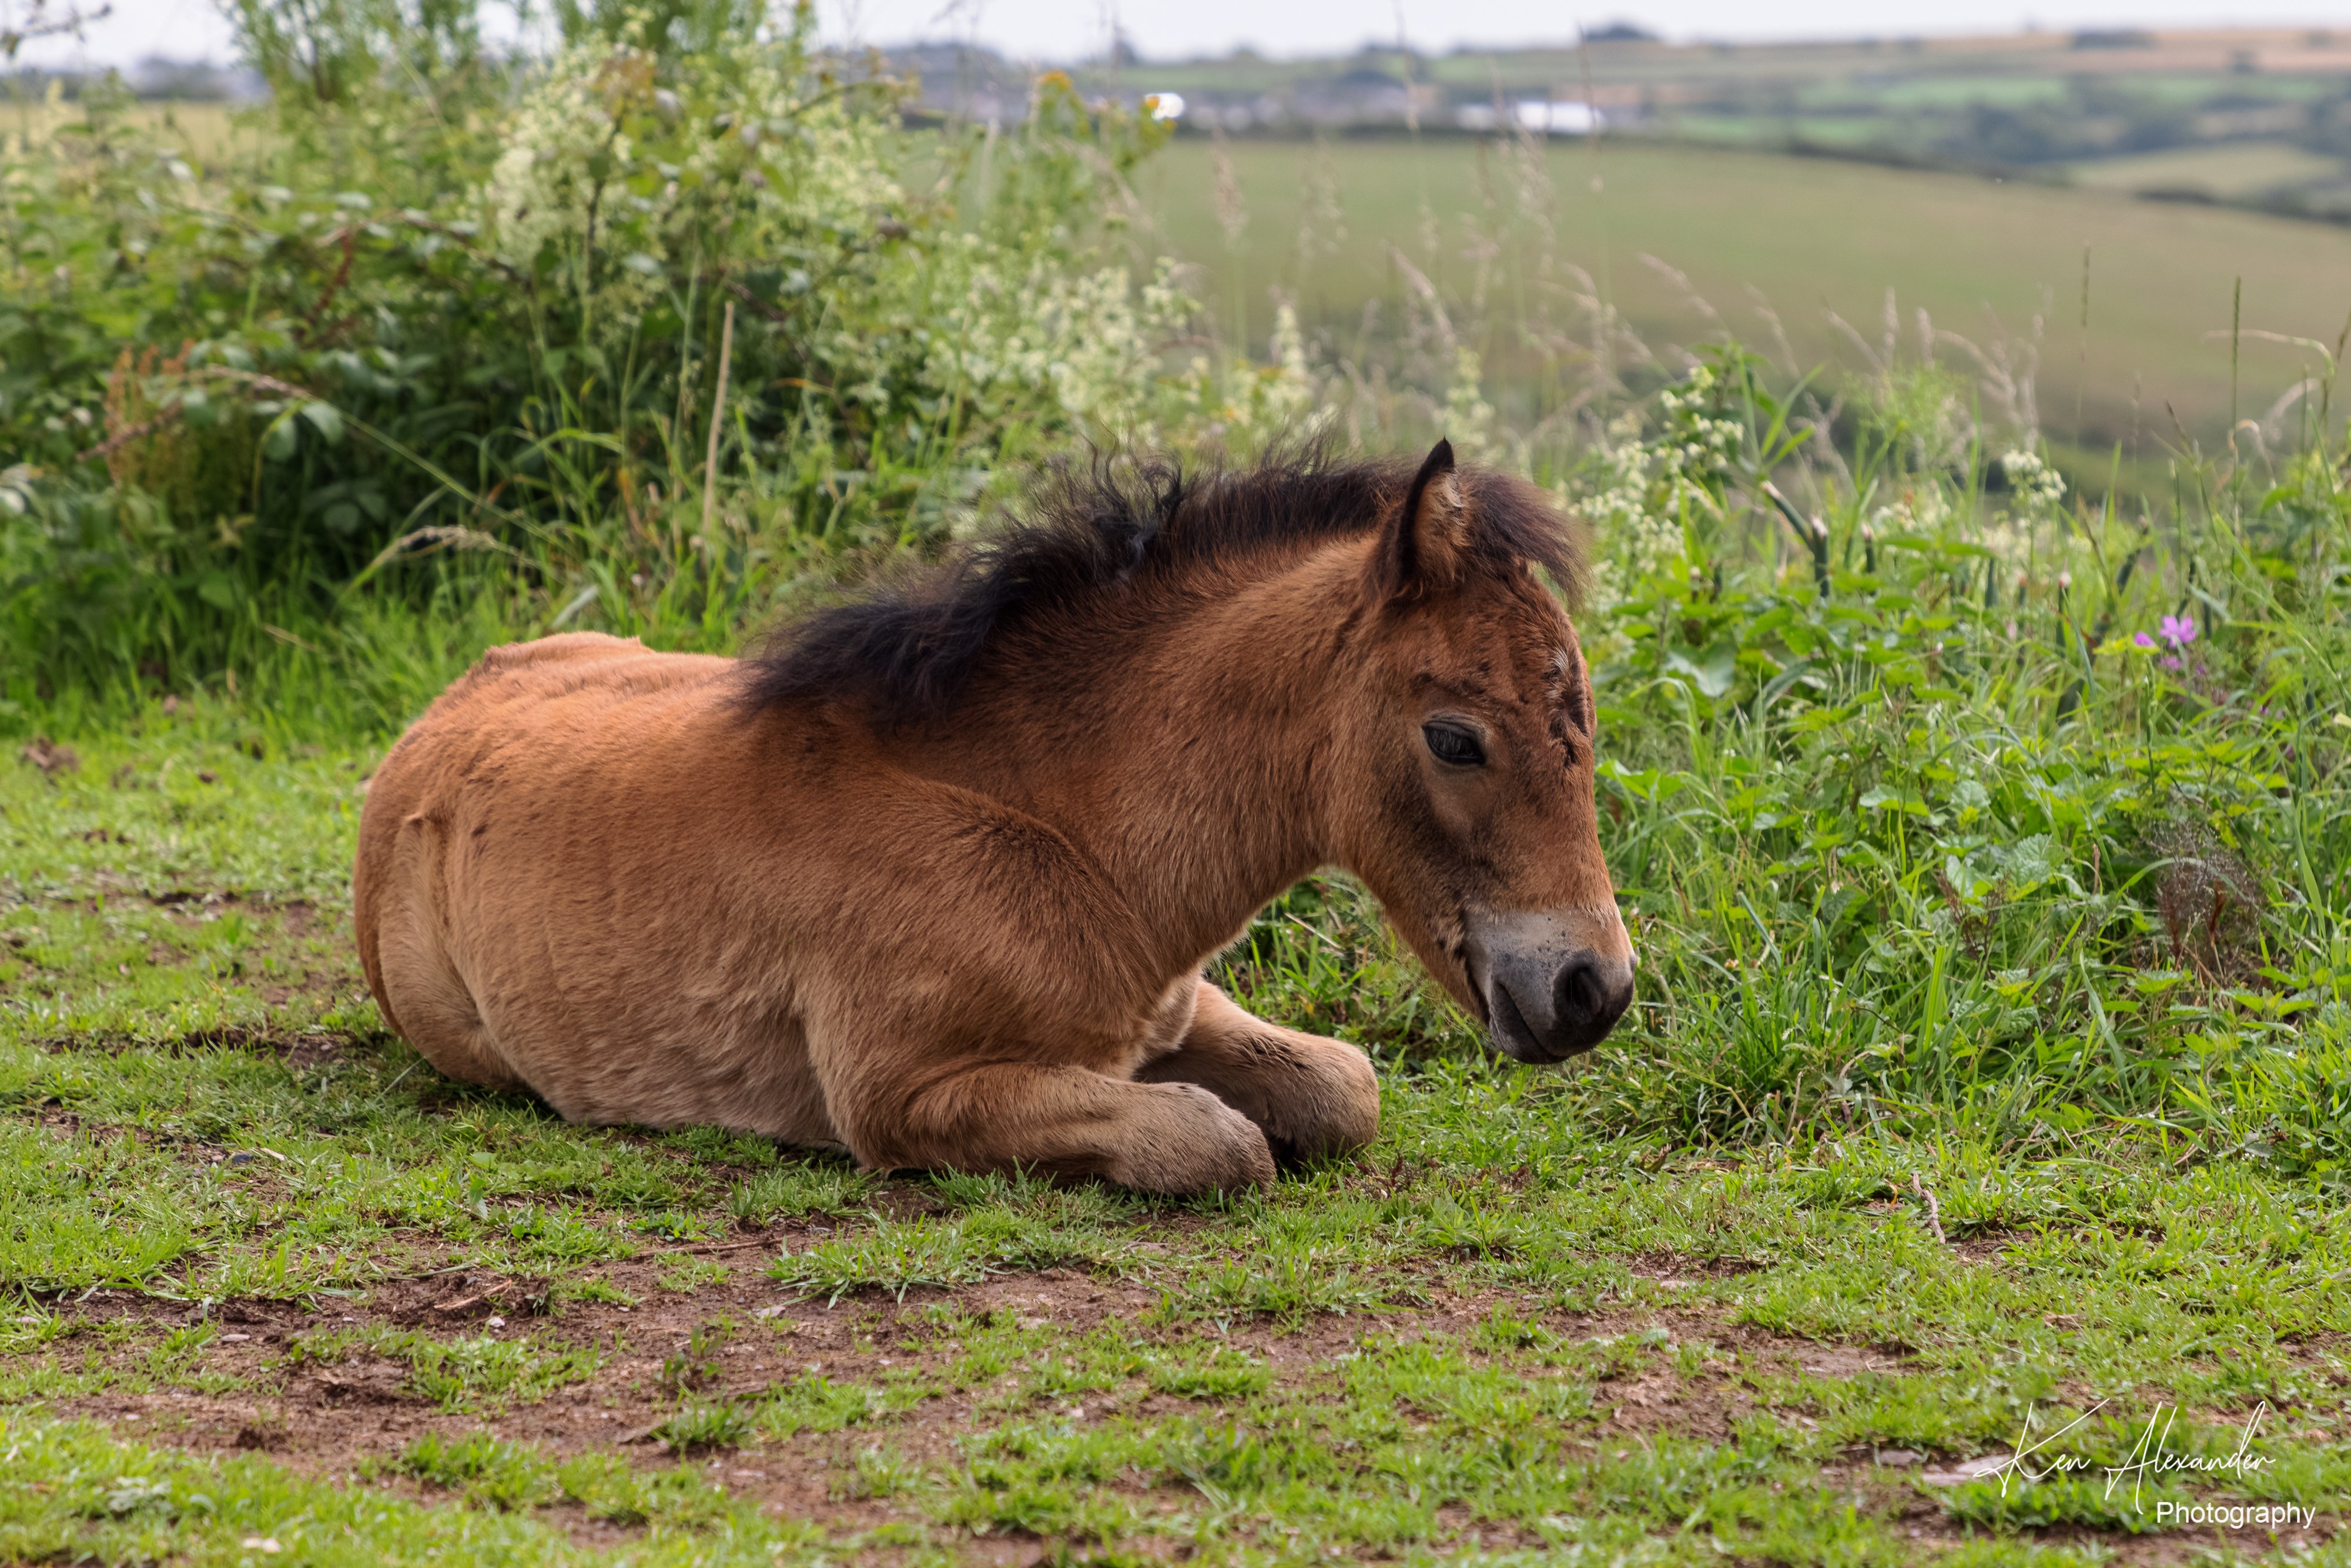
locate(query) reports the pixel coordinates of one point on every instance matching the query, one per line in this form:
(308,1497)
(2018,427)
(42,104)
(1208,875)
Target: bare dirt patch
(748,1336)
(773,1336)
(1674,1269)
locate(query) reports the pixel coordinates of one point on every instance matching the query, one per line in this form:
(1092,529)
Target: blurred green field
(1806,236)
(2233,169)
(205,130)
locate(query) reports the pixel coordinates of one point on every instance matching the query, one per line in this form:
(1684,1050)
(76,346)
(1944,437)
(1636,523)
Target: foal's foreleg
(1062,1120)
(1313,1096)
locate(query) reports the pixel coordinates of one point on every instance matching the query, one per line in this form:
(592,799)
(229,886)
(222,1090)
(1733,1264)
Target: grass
(1984,259)
(1990,1079)
(235,1211)
(2239,169)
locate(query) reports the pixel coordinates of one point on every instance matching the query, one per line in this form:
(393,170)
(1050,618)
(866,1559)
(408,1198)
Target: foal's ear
(1423,544)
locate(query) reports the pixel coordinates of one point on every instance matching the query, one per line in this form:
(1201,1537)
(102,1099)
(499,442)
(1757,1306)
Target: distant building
(1550,117)
(158,77)
(968,82)
(187,82)
(1367,90)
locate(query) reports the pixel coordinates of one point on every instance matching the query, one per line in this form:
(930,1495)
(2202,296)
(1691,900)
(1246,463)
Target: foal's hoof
(1198,1145)
(1329,1107)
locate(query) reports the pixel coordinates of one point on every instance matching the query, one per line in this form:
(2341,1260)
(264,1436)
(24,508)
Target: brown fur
(967,932)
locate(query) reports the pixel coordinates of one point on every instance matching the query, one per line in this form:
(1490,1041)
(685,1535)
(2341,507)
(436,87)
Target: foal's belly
(617,1038)
(660,999)
(667,1063)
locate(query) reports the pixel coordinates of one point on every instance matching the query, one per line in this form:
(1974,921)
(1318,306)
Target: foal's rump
(549,862)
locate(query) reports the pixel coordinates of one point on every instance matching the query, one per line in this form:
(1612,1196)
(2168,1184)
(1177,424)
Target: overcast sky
(1071,29)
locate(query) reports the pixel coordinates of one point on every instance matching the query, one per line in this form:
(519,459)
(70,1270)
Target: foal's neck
(1178,743)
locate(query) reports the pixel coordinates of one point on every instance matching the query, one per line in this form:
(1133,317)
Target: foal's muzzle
(1554,982)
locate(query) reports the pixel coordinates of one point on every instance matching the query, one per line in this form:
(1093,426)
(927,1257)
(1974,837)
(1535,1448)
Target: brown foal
(933,878)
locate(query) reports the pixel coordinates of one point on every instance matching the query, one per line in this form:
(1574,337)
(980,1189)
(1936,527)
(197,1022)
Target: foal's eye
(1451,743)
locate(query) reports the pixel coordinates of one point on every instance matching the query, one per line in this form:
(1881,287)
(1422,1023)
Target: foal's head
(1469,807)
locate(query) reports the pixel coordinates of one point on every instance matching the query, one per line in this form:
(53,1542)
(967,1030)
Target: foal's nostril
(1547,998)
(1577,994)
(1588,997)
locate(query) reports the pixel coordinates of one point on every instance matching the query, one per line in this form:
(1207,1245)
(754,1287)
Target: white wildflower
(2038,486)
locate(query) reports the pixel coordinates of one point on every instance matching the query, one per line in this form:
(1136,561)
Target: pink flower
(2141,640)
(2179,631)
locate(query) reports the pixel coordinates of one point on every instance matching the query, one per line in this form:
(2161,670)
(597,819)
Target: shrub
(489,320)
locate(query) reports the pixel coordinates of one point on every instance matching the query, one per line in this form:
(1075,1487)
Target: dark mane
(907,644)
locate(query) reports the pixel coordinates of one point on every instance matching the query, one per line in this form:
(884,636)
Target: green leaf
(278,442)
(1882,799)
(1713,677)
(326,420)
(1784,680)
